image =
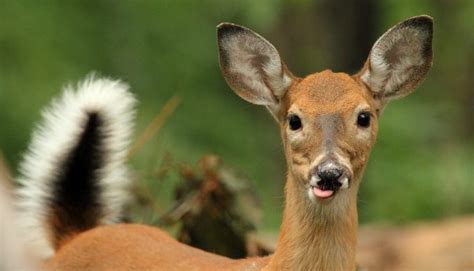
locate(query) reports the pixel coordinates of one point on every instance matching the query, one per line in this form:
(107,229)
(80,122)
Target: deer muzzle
(328,177)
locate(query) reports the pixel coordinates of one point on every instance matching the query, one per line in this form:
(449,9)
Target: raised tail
(73,176)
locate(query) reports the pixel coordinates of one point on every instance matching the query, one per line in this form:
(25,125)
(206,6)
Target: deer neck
(315,236)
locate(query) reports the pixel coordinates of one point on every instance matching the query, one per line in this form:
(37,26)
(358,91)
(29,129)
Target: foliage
(421,166)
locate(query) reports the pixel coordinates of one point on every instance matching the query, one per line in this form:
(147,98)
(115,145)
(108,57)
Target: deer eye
(295,122)
(363,119)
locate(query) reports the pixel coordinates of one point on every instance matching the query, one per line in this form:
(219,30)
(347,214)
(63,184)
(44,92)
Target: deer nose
(330,174)
(328,177)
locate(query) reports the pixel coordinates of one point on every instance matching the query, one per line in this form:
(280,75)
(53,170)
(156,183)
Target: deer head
(328,120)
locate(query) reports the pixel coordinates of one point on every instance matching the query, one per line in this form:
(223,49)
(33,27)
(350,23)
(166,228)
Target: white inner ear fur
(392,59)
(246,51)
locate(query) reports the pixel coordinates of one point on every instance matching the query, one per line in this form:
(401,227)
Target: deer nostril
(331,174)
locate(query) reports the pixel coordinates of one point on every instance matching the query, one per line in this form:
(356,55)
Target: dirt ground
(435,246)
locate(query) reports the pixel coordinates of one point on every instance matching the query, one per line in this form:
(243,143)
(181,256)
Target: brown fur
(139,247)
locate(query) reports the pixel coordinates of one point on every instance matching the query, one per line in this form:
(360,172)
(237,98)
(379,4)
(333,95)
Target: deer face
(328,121)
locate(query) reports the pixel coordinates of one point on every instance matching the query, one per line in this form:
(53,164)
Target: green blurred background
(421,166)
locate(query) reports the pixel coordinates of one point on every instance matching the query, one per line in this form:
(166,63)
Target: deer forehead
(327,93)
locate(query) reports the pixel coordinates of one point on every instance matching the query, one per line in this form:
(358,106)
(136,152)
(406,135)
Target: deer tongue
(322,193)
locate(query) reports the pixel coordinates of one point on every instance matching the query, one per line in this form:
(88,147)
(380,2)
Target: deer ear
(252,66)
(400,59)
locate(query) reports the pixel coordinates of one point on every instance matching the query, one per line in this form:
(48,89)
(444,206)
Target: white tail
(328,122)
(73,176)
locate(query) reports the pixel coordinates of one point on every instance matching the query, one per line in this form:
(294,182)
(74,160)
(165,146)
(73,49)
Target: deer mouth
(323,194)
(325,189)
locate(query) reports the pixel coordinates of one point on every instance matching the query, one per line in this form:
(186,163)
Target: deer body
(114,247)
(328,124)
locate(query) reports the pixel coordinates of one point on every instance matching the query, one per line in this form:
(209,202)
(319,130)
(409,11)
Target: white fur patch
(61,127)
(362,133)
(299,136)
(13,255)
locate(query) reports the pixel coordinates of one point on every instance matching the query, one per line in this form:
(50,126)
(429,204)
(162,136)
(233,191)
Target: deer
(74,179)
